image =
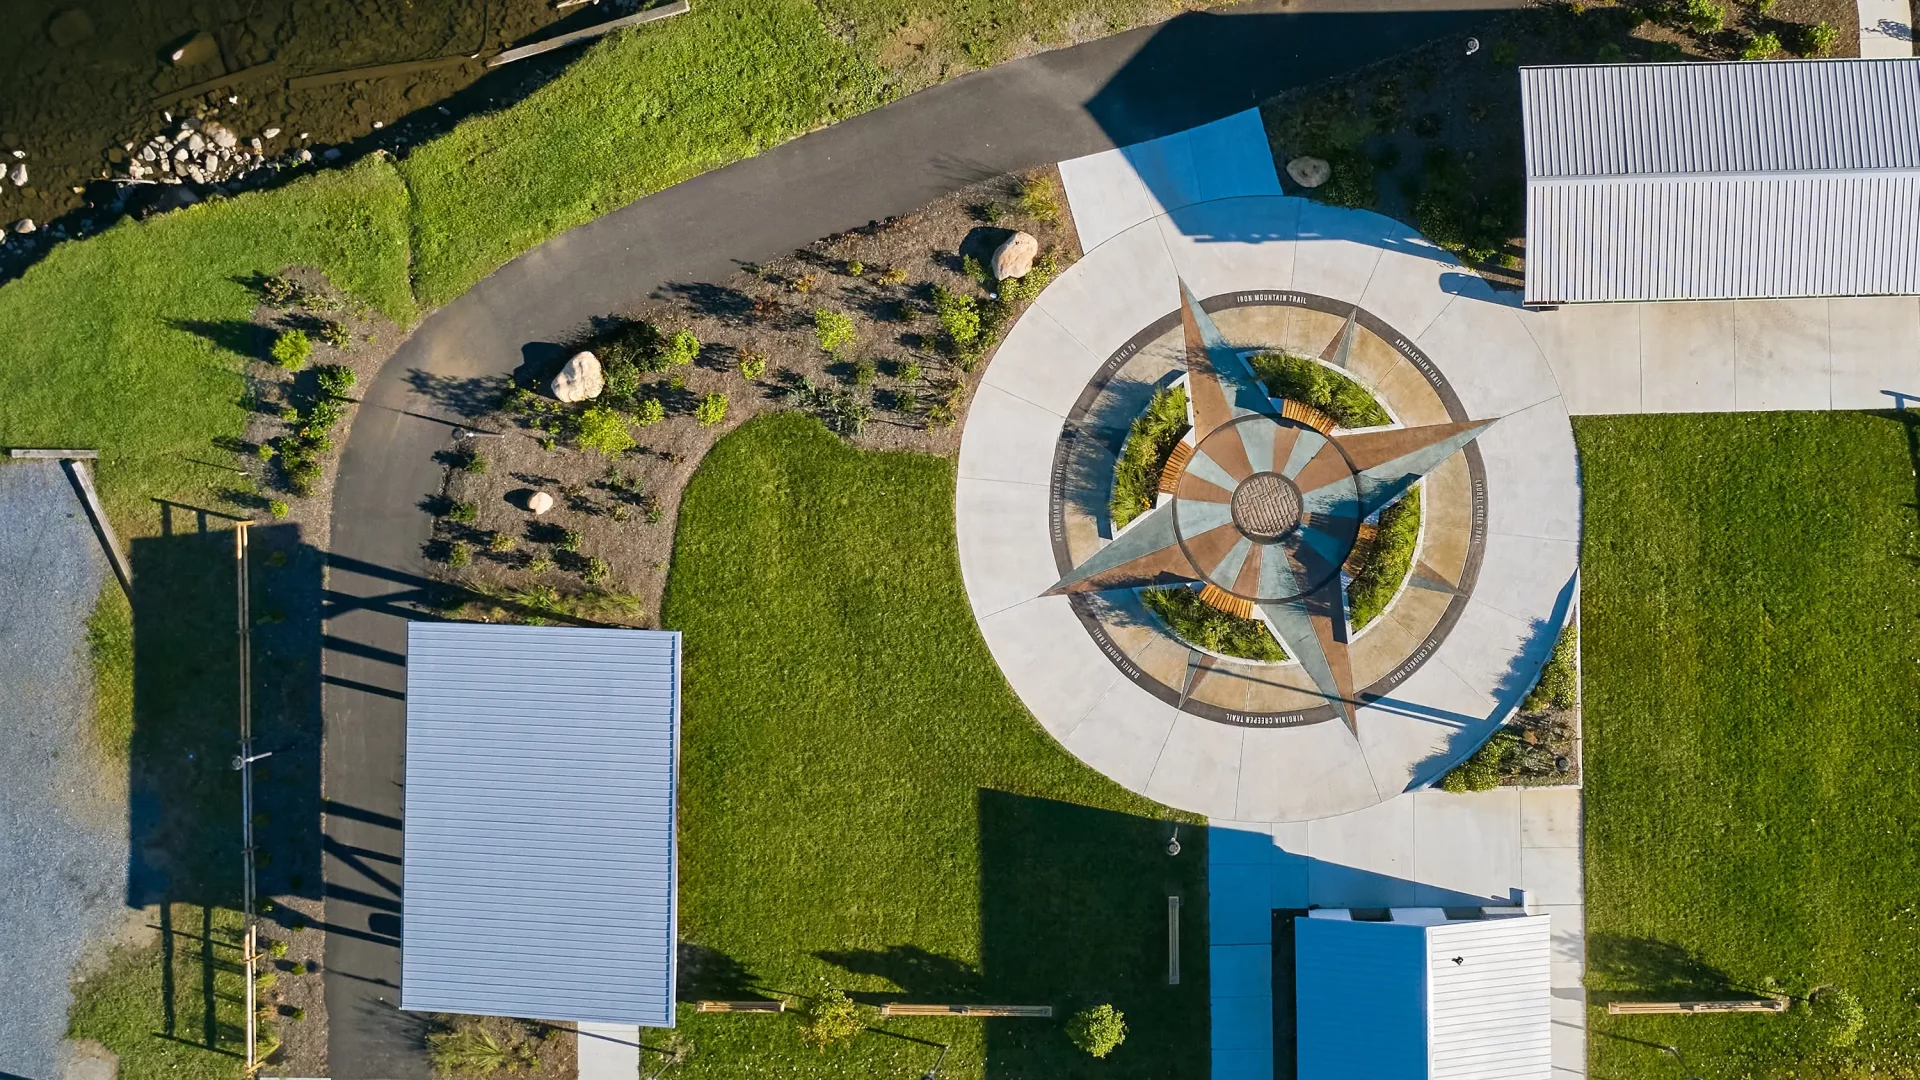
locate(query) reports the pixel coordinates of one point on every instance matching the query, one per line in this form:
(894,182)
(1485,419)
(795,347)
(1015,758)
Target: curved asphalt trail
(1046,108)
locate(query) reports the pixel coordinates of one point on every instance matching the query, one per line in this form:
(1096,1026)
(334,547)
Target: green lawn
(172,1012)
(866,805)
(1751,626)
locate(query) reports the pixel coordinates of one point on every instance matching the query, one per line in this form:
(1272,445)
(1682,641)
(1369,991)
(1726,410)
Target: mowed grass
(866,805)
(133,342)
(173,1009)
(1751,639)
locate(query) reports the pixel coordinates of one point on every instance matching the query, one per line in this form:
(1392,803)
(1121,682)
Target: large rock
(19,176)
(580,380)
(539,502)
(1309,172)
(1014,258)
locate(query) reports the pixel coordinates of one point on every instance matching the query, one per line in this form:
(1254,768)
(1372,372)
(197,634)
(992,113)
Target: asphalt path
(1046,108)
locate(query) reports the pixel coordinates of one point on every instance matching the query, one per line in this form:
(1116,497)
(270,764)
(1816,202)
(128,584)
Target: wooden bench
(743,1006)
(895,1008)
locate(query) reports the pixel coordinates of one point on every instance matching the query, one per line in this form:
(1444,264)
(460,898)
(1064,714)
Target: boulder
(1309,172)
(580,380)
(18,176)
(223,137)
(24,226)
(1014,257)
(270,133)
(539,502)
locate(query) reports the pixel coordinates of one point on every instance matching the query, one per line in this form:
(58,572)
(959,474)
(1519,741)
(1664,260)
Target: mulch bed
(602,552)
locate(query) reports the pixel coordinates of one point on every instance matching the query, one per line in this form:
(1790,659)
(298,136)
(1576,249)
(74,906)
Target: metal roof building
(539,863)
(1439,1000)
(1776,178)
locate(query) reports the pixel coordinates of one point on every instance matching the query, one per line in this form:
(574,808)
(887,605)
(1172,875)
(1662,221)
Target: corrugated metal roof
(1386,999)
(539,870)
(1722,181)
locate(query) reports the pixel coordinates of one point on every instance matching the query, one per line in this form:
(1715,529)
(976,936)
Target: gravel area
(63,820)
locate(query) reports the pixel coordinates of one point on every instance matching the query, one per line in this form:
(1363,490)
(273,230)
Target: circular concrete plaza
(1425,681)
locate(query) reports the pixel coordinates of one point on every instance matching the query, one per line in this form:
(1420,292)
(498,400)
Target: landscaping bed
(1539,745)
(704,358)
(1433,138)
(1750,622)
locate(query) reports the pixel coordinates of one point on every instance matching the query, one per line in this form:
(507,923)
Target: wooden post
(678,7)
(1173,941)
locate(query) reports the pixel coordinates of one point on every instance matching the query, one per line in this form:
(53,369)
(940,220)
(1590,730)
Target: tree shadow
(468,396)
(233,335)
(709,974)
(1654,970)
(1073,913)
(924,977)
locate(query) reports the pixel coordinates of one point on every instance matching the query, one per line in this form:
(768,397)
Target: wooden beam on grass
(678,7)
(56,454)
(1646,1008)
(896,1008)
(742,1006)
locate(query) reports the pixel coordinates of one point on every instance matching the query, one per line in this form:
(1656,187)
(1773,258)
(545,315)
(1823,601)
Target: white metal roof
(1722,181)
(539,876)
(1468,1000)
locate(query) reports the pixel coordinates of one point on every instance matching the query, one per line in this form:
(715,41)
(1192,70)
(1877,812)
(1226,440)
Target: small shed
(1425,999)
(1722,181)
(541,773)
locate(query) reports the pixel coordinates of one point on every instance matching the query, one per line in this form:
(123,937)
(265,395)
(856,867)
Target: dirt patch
(1433,138)
(294,1002)
(895,383)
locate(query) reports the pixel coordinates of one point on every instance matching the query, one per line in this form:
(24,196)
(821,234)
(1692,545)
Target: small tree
(711,410)
(1099,1030)
(834,1018)
(833,329)
(604,432)
(291,349)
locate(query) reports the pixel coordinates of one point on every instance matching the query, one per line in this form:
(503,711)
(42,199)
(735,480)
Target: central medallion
(1266,507)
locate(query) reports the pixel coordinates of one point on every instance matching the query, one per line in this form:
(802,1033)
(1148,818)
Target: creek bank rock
(539,502)
(580,380)
(1014,257)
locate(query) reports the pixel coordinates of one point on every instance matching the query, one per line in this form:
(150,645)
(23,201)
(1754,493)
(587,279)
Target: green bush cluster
(1705,16)
(335,380)
(1384,562)
(1199,623)
(834,331)
(1559,685)
(752,364)
(603,431)
(1818,39)
(1760,46)
(483,1045)
(301,452)
(1460,214)
(959,316)
(1039,199)
(1482,771)
(1136,475)
(291,349)
(711,410)
(843,410)
(1309,382)
(833,1018)
(1098,1031)
(336,334)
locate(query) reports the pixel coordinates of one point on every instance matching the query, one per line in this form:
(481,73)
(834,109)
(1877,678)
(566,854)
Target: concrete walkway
(608,1051)
(1886,29)
(1425,849)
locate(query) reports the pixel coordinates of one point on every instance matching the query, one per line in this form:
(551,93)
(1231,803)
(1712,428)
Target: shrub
(1039,200)
(711,410)
(298,1014)
(278,508)
(804,283)
(892,275)
(266,980)
(335,379)
(463,512)
(482,1046)
(682,350)
(540,564)
(622,379)
(971,266)
(604,431)
(855,267)
(1310,382)
(264,451)
(752,364)
(570,540)
(989,213)
(459,554)
(1760,46)
(596,571)
(1136,475)
(833,329)
(297,969)
(863,373)
(501,542)
(1705,16)
(833,1018)
(473,463)
(275,948)
(1764,6)
(1481,772)
(635,347)
(1098,1031)
(910,372)
(649,412)
(1559,685)
(1028,285)
(337,335)
(1199,623)
(959,317)
(279,291)
(1385,561)
(291,349)
(1818,39)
